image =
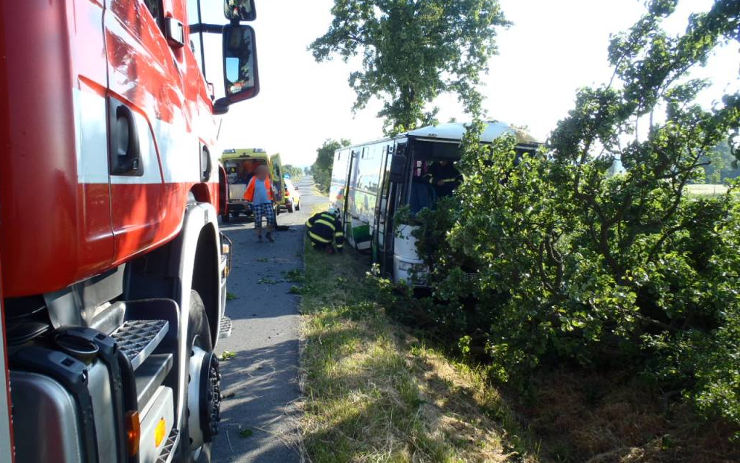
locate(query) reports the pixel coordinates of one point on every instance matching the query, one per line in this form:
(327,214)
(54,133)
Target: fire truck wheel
(204,393)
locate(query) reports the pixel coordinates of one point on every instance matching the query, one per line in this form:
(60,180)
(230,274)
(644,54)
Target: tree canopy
(412,51)
(293,171)
(722,166)
(552,258)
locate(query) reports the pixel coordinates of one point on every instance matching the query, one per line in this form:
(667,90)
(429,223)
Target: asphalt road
(260,383)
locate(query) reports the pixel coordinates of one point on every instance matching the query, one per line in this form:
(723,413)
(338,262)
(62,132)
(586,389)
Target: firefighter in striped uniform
(444,177)
(325,231)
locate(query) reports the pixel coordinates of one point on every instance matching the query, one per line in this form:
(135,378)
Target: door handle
(123,140)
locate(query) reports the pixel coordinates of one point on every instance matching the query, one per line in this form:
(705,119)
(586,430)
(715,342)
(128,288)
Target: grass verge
(374,393)
(613,417)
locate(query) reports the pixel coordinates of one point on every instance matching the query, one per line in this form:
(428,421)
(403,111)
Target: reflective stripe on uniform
(339,238)
(318,238)
(328,224)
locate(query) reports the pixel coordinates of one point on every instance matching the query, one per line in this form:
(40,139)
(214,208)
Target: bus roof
(456,131)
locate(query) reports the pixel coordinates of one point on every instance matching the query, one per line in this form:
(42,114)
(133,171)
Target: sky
(552,49)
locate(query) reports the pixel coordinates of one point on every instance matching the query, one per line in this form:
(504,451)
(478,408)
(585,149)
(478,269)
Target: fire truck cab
(112,266)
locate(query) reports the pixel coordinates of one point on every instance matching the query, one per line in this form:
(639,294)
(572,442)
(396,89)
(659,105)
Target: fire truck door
(96,242)
(147,125)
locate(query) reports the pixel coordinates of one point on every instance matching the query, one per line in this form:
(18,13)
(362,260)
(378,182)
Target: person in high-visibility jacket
(260,193)
(325,231)
(444,177)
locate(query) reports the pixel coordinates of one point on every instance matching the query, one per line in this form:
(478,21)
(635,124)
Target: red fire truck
(113,269)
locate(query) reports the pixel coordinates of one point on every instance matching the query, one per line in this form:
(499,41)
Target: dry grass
(375,394)
(706,189)
(609,418)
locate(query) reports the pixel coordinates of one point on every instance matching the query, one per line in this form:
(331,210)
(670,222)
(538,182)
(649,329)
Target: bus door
(351,204)
(386,207)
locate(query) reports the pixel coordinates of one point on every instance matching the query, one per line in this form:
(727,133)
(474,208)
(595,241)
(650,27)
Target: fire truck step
(138,338)
(225,330)
(150,375)
(168,450)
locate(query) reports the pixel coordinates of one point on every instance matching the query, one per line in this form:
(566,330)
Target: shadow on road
(262,382)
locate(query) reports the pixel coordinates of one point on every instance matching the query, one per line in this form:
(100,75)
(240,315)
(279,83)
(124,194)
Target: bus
(372,181)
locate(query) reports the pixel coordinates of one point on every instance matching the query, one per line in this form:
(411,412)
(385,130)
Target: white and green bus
(372,181)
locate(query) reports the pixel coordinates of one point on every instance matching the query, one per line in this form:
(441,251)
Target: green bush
(551,258)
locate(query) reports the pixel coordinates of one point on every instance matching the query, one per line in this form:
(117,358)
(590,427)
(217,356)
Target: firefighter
(325,231)
(444,177)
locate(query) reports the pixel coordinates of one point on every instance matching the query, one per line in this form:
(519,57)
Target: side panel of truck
(153,80)
(83,221)
(60,232)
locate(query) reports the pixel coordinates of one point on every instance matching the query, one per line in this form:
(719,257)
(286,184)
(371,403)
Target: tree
(293,171)
(413,50)
(722,165)
(571,264)
(321,168)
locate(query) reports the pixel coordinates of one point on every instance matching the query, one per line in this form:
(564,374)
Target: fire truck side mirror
(241,76)
(240,10)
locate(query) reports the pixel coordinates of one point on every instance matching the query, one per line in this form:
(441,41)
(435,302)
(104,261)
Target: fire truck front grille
(138,338)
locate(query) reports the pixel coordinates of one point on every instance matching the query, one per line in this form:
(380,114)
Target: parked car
(292,201)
